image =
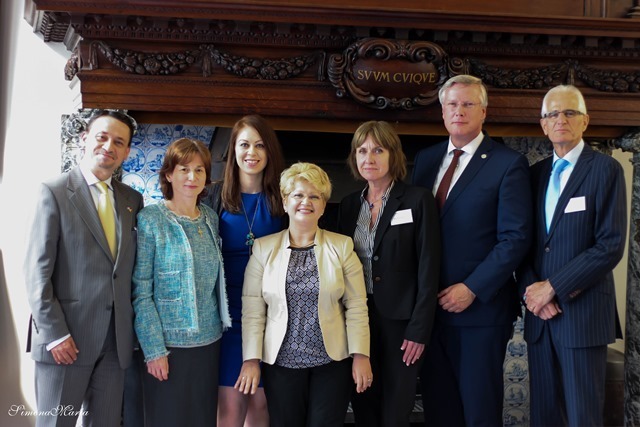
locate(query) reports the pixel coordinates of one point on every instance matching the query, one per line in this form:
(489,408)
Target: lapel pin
(129,209)
(484,156)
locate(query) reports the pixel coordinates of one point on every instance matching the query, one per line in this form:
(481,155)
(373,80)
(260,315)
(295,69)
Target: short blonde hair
(313,174)
(465,79)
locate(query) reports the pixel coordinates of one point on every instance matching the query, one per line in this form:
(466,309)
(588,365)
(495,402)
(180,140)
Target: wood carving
(156,63)
(170,63)
(564,73)
(381,73)
(259,68)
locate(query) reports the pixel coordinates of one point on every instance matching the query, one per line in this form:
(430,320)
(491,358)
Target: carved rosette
(394,66)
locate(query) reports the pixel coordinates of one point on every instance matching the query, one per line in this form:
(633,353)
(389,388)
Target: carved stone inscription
(382,73)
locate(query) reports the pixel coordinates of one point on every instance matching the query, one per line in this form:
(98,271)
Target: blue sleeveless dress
(235,253)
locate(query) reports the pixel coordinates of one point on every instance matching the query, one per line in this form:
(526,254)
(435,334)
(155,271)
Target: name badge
(402,217)
(576,204)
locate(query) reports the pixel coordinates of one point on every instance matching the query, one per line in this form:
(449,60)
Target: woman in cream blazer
(304,312)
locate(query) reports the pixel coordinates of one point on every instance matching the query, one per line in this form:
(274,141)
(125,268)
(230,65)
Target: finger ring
(244,378)
(369,379)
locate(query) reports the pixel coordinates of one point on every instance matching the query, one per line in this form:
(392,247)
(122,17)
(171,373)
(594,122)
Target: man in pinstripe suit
(567,280)
(78,290)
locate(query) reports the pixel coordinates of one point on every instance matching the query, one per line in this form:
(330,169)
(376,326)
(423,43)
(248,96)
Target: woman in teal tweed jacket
(179,294)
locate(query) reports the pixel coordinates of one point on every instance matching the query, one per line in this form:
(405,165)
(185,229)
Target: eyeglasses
(464,105)
(569,114)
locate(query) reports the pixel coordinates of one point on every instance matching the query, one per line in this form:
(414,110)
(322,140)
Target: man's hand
(550,311)
(538,295)
(66,352)
(456,298)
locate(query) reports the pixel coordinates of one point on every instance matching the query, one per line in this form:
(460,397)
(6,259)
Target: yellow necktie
(105,212)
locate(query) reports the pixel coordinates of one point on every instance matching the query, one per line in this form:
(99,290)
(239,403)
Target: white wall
(34,96)
(620,272)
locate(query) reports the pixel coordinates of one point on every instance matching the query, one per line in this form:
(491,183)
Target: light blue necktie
(553,191)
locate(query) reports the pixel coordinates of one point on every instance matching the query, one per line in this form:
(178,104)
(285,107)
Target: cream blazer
(342,300)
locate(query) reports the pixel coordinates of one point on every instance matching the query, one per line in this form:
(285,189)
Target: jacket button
(547,249)
(377,278)
(115,276)
(375,258)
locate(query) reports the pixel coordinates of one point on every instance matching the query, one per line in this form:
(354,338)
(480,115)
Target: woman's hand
(249,377)
(159,368)
(361,372)
(412,351)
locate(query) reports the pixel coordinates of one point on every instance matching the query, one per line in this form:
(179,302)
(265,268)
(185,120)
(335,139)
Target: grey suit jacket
(72,281)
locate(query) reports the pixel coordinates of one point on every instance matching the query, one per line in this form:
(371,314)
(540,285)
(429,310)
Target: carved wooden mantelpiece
(205,58)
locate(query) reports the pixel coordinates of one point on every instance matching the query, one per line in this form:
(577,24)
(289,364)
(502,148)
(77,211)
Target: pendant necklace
(250,237)
(372,204)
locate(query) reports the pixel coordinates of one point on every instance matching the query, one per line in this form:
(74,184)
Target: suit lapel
(389,210)
(80,197)
(124,212)
(433,166)
(479,159)
(580,172)
(543,184)
(351,212)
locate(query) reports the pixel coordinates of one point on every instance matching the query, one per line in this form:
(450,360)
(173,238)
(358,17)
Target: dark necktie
(443,188)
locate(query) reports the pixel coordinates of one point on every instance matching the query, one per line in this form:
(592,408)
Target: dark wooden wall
(208,61)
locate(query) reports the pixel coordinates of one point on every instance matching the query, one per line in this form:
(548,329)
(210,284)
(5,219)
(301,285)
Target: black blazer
(406,257)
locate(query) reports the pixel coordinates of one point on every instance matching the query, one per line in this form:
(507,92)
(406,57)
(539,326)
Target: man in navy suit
(483,191)
(567,281)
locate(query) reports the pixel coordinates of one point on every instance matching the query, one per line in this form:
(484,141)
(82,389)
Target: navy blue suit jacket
(580,250)
(486,228)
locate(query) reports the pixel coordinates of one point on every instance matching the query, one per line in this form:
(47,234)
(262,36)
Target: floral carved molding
(408,73)
(172,63)
(567,72)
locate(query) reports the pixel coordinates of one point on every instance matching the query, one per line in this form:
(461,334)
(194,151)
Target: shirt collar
(469,148)
(573,155)
(385,196)
(90,178)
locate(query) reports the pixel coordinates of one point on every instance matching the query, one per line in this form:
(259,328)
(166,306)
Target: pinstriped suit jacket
(580,250)
(72,281)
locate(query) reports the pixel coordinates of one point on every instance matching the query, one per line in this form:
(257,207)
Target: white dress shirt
(463,161)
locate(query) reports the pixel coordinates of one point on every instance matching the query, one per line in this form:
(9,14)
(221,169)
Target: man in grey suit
(78,276)
(567,281)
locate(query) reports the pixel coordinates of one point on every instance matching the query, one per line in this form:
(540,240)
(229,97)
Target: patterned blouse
(303,346)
